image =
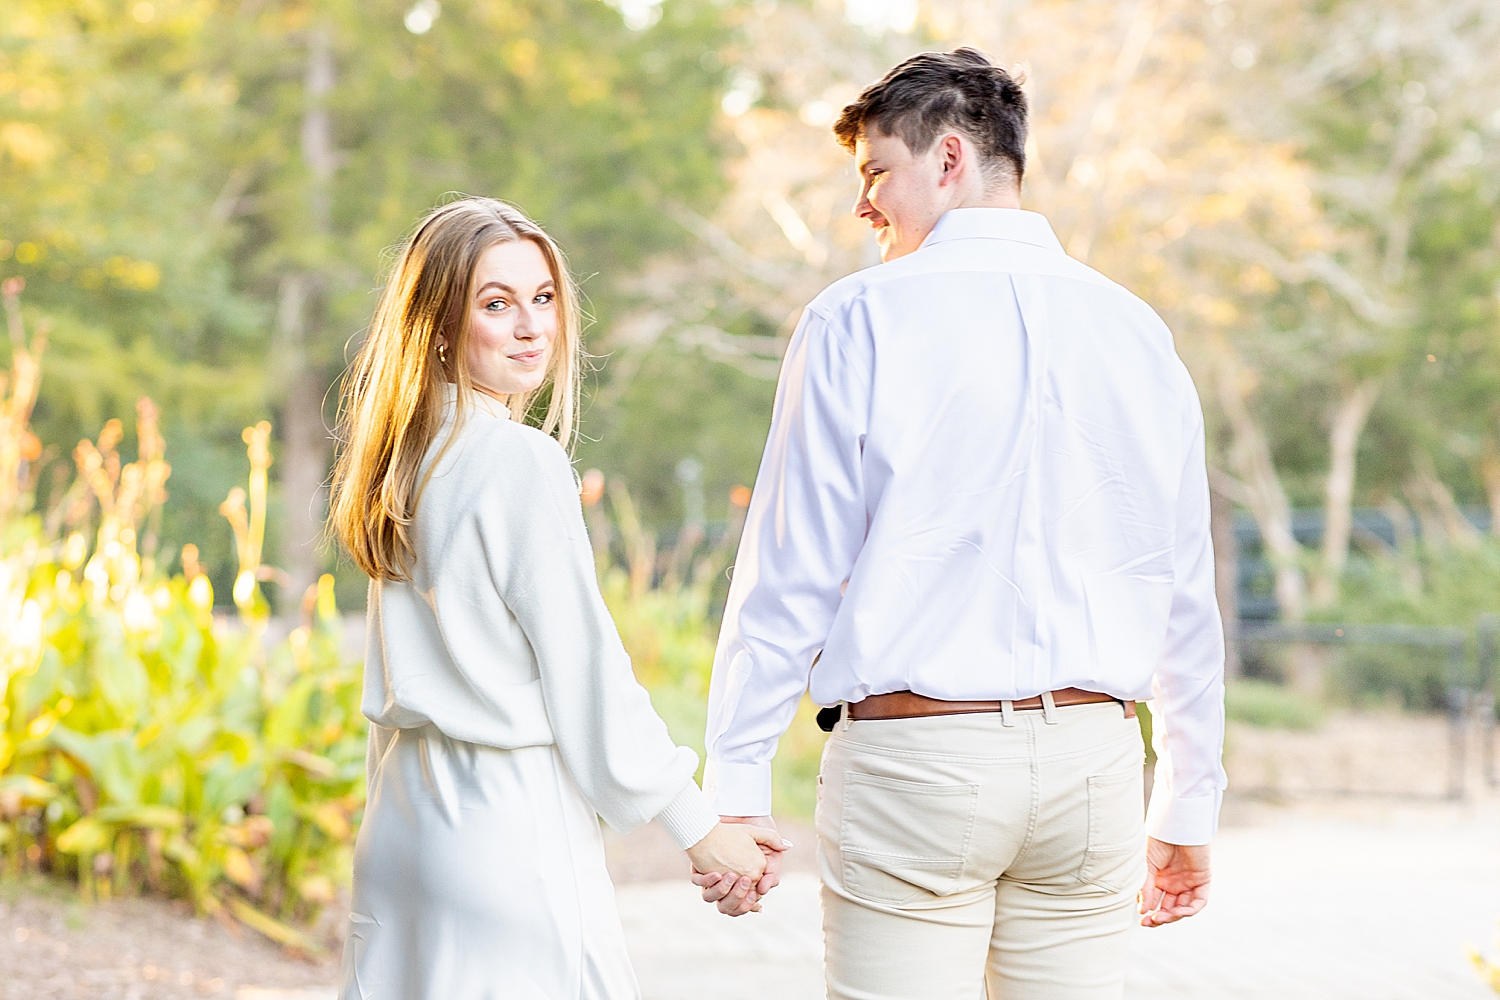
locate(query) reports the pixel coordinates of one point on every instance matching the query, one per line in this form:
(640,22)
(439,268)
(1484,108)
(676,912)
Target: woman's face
(512,319)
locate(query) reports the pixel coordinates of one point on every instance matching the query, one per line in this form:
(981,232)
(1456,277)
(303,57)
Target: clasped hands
(738,863)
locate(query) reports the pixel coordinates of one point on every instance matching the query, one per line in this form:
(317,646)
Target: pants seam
(1034,812)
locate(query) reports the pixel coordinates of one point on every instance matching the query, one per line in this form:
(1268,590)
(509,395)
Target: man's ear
(951,155)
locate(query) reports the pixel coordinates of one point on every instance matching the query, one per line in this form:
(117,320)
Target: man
(981,527)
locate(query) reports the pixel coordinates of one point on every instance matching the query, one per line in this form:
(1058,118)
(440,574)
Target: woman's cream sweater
(501,637)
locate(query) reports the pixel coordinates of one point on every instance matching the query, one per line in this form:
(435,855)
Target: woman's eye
(496,305)
(543,298)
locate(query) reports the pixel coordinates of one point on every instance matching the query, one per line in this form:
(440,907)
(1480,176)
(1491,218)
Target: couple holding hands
(979,534)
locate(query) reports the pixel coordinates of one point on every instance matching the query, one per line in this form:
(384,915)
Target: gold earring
(443,354)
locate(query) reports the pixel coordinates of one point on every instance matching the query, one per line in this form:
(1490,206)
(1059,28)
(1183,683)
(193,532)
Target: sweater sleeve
(615,746)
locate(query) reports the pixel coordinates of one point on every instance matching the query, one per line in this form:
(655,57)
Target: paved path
(1355,901)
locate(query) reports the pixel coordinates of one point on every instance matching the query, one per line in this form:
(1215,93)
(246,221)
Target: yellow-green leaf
(87,836)
(240,869)
(179,850)
(332,821)
(273,929)
(318,767)
(32,791)
(156,817)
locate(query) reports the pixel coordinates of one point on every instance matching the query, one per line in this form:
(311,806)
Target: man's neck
(1007,197)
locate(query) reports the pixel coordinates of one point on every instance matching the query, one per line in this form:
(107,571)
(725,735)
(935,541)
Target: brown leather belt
(907,705)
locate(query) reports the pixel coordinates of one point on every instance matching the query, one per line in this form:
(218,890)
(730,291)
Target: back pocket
(1116,829)
(900,839)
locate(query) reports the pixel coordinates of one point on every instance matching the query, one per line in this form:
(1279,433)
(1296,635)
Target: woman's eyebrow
(506,288)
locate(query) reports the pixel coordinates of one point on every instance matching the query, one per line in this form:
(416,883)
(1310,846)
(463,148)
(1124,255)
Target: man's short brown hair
(938,92)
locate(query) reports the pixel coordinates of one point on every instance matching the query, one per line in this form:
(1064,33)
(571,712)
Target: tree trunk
(1338,521)
(1408,563)
(304,434)
(1227,577)
(1250,457)
(1441,519)
(1489,474)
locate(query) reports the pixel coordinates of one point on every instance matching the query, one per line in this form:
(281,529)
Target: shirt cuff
(738,789)
(688,818)
(1189,821)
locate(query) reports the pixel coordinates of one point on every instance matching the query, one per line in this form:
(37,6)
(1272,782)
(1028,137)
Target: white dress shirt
(985,479)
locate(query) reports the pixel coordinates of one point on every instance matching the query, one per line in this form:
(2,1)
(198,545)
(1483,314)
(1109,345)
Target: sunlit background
(197,202)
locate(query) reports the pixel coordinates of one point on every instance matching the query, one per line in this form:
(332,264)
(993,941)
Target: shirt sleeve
(803,531)
(1187,707)
(614,745)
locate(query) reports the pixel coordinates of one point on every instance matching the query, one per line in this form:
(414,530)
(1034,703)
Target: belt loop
(846,721)
(1007,714)
(1049,708)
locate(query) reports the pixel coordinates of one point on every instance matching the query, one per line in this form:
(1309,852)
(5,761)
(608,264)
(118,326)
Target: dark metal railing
(1468,695)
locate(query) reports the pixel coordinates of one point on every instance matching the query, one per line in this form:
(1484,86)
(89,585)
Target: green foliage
(1450,585)
(678,404)
(1270,706)
(145,743)
(157,189)
(666,622)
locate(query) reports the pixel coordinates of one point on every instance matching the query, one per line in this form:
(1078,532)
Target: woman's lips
(528,357)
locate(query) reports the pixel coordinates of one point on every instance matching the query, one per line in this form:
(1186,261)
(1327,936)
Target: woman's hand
(736,848)
(736,896)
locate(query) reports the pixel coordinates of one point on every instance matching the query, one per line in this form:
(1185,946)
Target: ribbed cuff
(688,818)
(1188,821)
(738,789)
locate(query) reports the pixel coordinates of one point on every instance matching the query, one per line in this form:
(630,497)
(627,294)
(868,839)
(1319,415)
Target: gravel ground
(1319,895)
(52,947)
(1349,900)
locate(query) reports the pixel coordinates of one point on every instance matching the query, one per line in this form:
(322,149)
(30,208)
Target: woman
(504,714)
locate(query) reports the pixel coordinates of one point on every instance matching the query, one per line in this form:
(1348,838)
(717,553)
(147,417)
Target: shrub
(145,742)
(665,616)
(1271,706)
(1439,584)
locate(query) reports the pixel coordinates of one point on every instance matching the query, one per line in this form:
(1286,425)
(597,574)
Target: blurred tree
(1307,192)
(1386,105)
(195,188)
(114,207)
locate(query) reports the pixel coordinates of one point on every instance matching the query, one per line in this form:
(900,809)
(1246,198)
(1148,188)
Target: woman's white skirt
(479,875)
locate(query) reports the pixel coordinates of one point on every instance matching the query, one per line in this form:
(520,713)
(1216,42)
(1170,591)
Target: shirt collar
(1013,224)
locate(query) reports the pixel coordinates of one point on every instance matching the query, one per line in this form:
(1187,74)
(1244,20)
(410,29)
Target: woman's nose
(527,327)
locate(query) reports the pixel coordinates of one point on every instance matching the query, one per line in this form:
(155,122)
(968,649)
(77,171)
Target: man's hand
(736,896)
(1176,882)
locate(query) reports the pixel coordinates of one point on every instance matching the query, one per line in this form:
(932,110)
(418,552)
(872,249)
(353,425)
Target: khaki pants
(956,851)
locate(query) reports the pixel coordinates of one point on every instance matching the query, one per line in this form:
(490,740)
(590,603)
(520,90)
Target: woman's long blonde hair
(393,394)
